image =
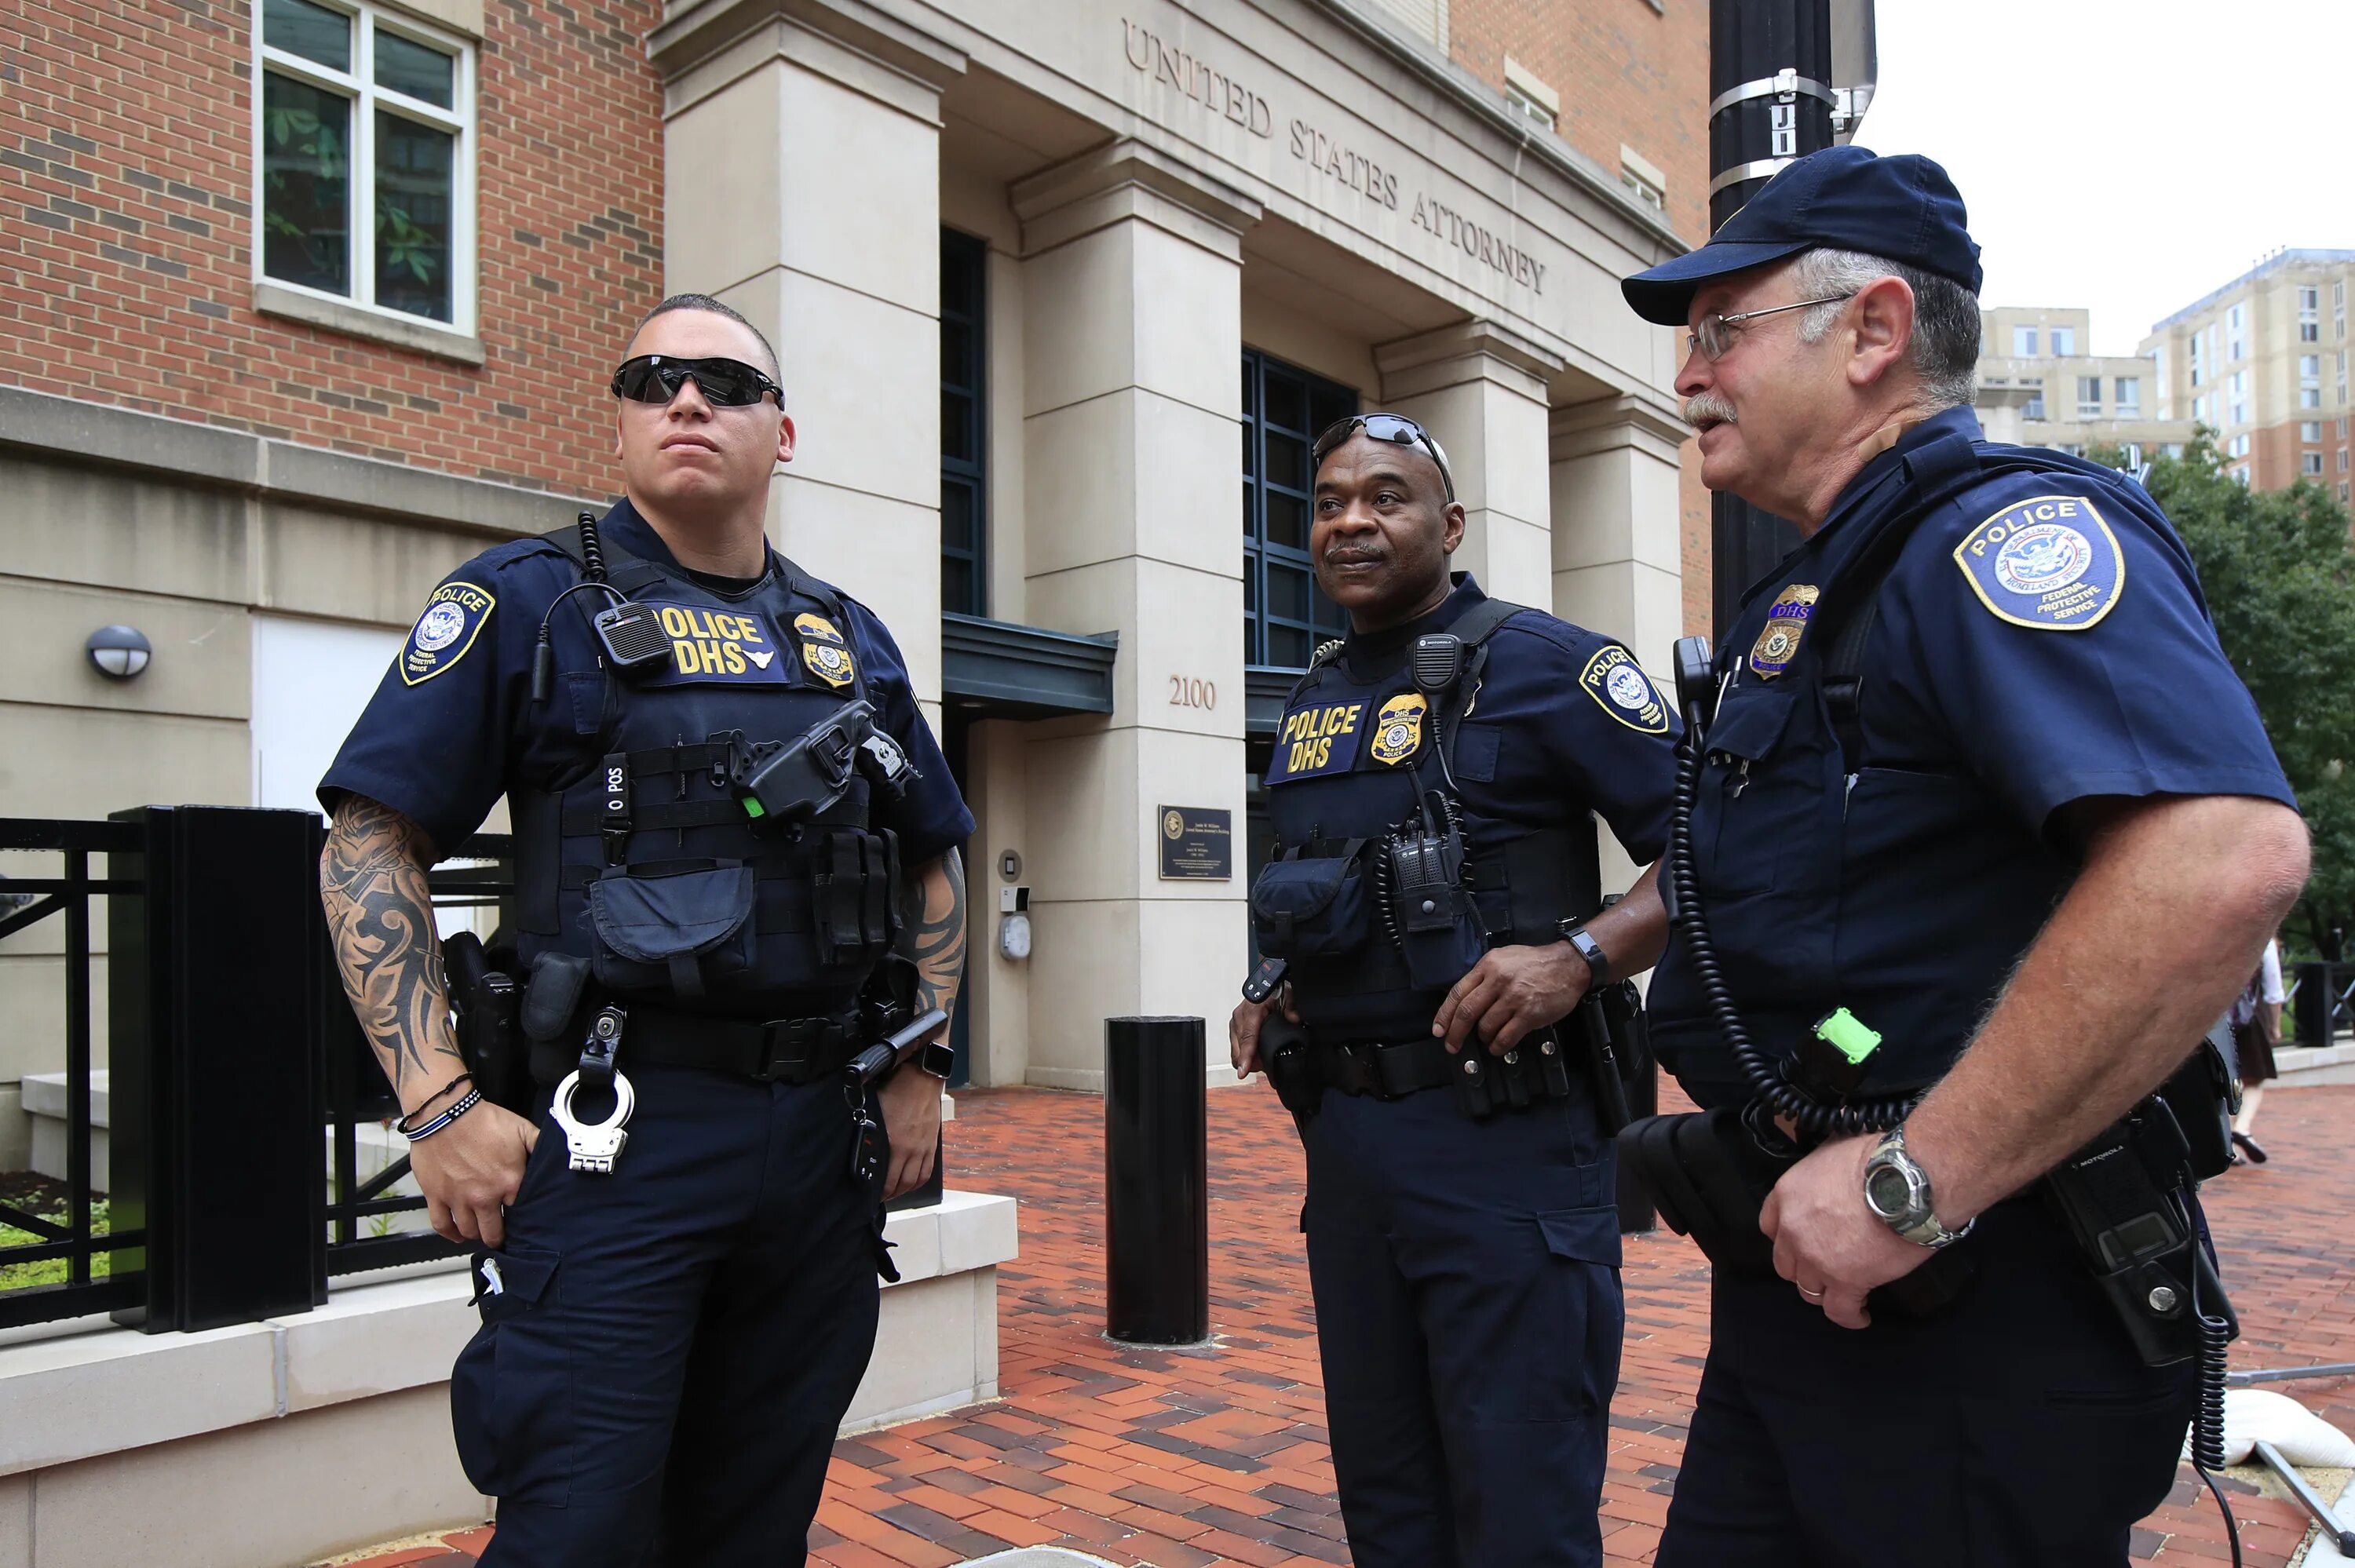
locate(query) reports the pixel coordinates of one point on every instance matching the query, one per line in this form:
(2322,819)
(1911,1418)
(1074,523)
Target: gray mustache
(1708,405)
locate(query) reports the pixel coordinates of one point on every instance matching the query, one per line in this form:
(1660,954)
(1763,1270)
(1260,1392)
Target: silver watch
(1897,1190)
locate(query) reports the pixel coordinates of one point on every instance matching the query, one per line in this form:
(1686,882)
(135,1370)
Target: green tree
(2278,569)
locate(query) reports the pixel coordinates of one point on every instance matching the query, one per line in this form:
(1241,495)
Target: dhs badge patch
(2048,562)
(453,618)
(1786,623)
(1620,688)
(823,652)
(1398,728)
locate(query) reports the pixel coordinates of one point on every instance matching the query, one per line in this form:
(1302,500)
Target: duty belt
(1387,1072)
(783,1049)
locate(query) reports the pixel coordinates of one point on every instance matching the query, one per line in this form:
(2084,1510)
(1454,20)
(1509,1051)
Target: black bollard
(1157,1183)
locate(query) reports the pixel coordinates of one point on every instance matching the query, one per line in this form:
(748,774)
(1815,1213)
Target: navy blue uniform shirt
(452,726)
(2040,639)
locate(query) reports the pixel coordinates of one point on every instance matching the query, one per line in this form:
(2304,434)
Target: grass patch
(38,1195)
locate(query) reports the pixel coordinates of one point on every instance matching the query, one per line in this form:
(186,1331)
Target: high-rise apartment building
(2040,385)
(2263,360)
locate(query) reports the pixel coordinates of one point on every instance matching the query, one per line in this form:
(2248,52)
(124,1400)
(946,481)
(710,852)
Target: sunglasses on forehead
(1395,429)
(724,382)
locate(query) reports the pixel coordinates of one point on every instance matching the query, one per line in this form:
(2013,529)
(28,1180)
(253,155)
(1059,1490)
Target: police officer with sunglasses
(729,815)
(1434,904)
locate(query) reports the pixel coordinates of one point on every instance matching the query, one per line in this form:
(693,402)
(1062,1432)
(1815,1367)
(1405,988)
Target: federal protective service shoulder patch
(2048,562)
(1398,728)
(454,617)
(823,652)
(1620,688)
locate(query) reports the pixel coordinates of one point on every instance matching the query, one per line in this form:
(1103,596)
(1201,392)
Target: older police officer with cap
(720,785)
(1432,908)
(1986,834)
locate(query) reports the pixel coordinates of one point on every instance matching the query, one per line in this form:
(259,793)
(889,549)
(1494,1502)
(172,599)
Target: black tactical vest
(1366,966)
(648,862)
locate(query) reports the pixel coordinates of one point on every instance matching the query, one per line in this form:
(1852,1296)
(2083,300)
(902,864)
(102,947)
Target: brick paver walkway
(1185,1460)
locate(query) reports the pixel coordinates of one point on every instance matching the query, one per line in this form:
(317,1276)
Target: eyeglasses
(724,382)
(1714,335)
(1395,429)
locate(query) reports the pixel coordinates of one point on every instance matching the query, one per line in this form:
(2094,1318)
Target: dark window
(1284,613)
(963,489)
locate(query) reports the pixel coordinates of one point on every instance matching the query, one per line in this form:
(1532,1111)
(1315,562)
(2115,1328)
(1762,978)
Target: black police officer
(1978,774)
(1436,860)
(668,1343)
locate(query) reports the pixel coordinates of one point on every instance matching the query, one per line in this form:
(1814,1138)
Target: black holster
(1709,1174)
(489,1004)
(1290,1066)
(2126,1199)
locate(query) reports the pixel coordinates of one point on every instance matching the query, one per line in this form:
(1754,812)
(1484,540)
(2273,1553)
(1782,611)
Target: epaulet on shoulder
(507,553)
(1548,627)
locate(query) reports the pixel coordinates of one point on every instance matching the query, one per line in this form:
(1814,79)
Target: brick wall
(1627,72)
(1630,73)
(127,236)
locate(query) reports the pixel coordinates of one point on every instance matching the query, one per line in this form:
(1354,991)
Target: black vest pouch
(687,934)
(1306,906)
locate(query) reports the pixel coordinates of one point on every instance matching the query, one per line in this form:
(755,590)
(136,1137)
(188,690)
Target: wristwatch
(936,1057)
(1897,1190)
(1598,962)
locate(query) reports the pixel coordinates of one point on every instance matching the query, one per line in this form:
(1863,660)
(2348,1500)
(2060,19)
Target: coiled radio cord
(1810,1119)
(2208,1415)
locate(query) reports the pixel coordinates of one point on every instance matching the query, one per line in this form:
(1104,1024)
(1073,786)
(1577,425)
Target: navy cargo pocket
(511,1390)
(1585,1247)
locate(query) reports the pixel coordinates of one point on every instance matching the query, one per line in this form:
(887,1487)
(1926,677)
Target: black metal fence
(77,1261)
(252,1154)
(228,1047)
(2322,1002)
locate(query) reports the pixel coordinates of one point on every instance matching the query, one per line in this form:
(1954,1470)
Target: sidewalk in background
(1188,1459)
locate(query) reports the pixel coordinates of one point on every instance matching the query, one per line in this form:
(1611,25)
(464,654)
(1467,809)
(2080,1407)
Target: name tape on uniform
(1620,688)
(2048,562)
(1320,738)
(731,647)
(453,618)
(824,651)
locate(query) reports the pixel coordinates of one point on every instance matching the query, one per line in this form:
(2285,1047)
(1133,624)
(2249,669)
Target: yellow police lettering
(710,653)
(683,654)
(735,656)
(675,622)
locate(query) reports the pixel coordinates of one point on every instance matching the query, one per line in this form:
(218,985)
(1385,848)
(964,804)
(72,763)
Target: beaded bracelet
(458,1107)
(401,1126)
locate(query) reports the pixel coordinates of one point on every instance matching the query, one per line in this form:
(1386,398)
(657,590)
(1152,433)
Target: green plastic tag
(753,807)
(1848,1036)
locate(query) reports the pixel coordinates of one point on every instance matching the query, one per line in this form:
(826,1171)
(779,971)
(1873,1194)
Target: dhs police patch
(2048,562)
(453,618)
(1620,688)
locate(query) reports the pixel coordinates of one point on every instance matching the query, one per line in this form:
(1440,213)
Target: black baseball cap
(1903,209)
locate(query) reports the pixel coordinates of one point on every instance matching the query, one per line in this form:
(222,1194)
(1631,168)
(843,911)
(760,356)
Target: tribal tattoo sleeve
(936,939)
(380,917)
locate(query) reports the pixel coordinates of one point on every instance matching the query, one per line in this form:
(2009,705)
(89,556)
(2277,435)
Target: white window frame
(2310,465)
(2023,342)
(2309,430)
(358,85)
(2064,340)
(2127,393)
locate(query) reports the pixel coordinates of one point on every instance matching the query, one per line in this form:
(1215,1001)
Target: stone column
(803,187)
(1480,390)
(1617,562)
(1131,414)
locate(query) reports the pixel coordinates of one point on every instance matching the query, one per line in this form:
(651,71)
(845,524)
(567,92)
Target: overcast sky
(2126,155)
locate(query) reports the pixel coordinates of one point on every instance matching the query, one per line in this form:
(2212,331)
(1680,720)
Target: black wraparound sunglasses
(724,382)
(1395,429)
